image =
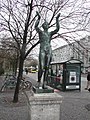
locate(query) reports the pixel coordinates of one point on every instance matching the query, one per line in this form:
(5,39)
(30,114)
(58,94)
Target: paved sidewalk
(10,110)
(75,105)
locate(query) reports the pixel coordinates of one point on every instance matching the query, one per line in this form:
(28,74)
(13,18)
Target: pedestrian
(88,81)
(26,70)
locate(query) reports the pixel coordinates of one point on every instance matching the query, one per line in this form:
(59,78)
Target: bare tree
(9,54)
(18,22)
(17,18)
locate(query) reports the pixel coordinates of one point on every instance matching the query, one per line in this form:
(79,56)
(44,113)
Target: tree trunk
(15,99)
(16,66)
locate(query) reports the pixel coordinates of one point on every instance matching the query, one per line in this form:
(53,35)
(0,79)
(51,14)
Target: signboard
(72,78)
(72,87)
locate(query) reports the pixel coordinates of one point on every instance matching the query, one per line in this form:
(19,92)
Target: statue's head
(45,25)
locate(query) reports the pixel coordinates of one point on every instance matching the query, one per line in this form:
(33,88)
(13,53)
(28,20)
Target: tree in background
(9,54)
(31,62)
(17,20)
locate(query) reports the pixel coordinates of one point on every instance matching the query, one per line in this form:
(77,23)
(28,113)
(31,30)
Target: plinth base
(48,89)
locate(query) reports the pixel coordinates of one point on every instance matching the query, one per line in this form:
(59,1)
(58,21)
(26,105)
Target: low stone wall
(44,106)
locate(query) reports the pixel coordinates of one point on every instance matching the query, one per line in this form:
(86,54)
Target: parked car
(33,71)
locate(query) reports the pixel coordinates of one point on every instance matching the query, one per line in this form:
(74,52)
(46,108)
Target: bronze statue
(45,53)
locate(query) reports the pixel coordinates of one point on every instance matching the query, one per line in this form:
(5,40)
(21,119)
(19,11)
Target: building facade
(78,50)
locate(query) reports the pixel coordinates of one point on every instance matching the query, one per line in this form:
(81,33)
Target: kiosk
(65,75)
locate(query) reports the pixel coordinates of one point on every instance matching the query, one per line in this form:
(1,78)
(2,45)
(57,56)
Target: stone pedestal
(44,106)
(47,90)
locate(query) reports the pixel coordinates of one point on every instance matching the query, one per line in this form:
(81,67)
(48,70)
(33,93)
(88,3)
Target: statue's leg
(40,72)
(46,70)
(45,78)
(40,69)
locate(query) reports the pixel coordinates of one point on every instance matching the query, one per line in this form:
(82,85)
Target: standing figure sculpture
(45,52)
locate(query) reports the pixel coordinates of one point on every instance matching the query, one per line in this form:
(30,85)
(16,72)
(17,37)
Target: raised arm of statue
(37,22)
(57,25)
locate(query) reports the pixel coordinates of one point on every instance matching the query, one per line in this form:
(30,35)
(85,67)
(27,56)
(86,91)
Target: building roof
(68,61)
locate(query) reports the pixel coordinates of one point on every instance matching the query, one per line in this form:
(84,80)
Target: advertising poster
(72,78)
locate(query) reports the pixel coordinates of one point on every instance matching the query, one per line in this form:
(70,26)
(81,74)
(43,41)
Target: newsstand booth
(65,75)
